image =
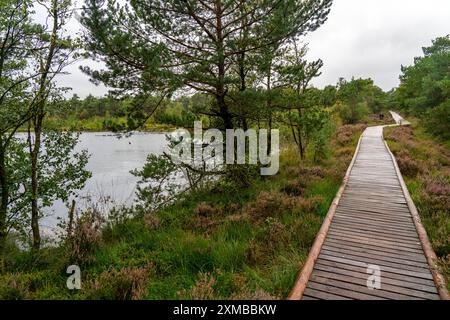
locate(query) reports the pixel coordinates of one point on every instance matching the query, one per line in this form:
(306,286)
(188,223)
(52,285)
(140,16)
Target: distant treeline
(109,111)
(353,99)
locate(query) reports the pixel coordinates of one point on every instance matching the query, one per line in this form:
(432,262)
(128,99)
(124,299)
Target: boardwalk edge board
(426,245)
(305,274)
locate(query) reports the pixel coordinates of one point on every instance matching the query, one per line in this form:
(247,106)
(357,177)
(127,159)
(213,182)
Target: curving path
(372,232)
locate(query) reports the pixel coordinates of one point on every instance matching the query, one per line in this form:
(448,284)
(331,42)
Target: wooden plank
(361,289)
(374,226)
(376,209)
(371,198)
(305,297)
(313,294)
(376,221)
(369,217)
(390,278)
(372,241)
(375,261)
(359,263)
(395,252)
(412,238)
(386,289)
(372,254)
(341,292)
(377,235)
(375,217)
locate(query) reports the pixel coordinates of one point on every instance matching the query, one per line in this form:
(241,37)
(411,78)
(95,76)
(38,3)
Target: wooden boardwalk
(371,229)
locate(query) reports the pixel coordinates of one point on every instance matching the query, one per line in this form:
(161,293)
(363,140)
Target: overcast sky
(361,38)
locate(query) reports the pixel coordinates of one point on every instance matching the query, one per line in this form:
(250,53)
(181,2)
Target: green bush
(351,114)
(437,120)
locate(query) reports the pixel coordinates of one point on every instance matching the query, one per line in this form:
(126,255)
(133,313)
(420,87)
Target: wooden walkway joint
(372,244)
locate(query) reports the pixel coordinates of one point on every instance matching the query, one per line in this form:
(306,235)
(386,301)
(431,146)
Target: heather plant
(425,164)
(123,284)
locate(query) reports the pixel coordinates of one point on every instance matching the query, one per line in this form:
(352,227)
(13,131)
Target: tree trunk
(242,87)
(224,113)
(300,143)
(269,109)
(34,156)
(220,89)
(3,203)
(37,122)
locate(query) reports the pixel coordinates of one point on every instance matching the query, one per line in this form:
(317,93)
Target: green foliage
(158,184)
(351,114)
(425,87)
(61,172)
(437,120)
(201,47)
(17,69)
(306,118)
(426,83)
(112,114)
(358,97)
(321,142)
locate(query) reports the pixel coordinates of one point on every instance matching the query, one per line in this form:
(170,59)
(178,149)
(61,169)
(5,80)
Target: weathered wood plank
(394,252)
(313,294)
(388,278)
(341,292)
(361,289)
(406,279)
(386,289)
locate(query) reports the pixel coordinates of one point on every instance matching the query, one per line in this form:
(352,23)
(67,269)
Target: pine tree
(157,47)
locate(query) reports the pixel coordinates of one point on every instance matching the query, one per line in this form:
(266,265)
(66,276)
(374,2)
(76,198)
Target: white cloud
(373,38)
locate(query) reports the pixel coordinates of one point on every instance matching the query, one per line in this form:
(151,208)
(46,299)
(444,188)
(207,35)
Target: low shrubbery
(425,166)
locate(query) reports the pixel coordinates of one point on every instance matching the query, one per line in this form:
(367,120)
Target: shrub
(152,221)
(408,166)
(294,188)
(240,175)
(268,204)
(437,194)
(307,205)
(254,254)
(321,142)
(437,120)
(311,172)
(320,147)
(351,114)
(204,209)
(345,134)
(205,224)
(14,287)
(203,289)
(246,293)
(400,134)
(123,284)
(85,238)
